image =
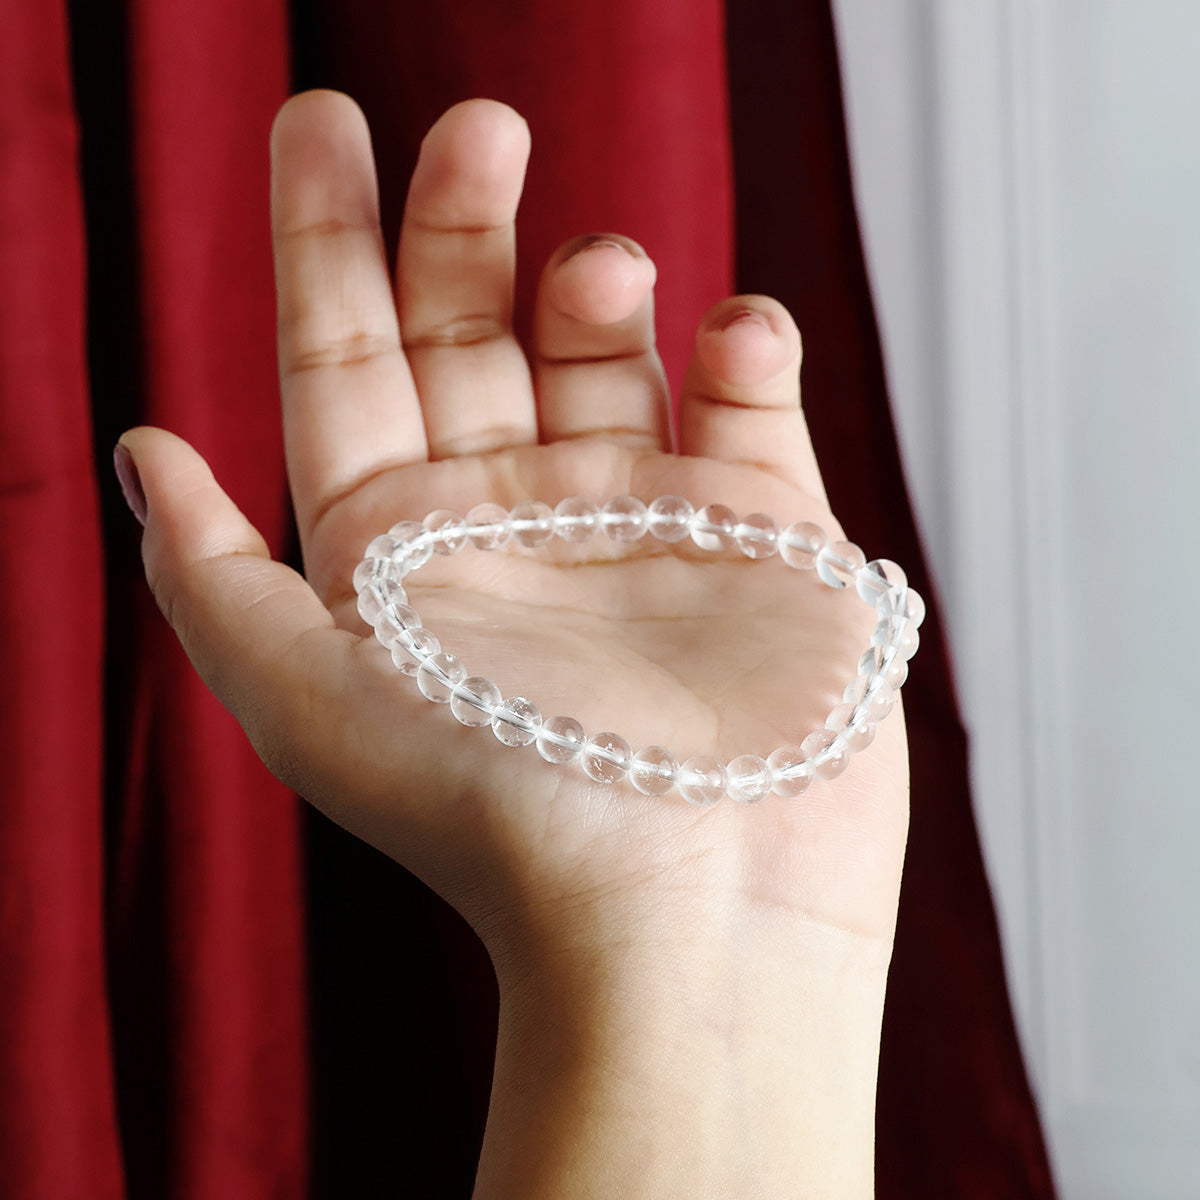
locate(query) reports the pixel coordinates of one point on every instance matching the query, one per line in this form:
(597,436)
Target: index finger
(349,405)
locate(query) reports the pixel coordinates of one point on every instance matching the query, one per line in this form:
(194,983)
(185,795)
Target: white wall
(1028,177)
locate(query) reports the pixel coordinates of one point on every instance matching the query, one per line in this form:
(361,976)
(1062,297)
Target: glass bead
(669,518)
(606,757)
(576,518)
(854,724)
(515,722)
(449,528)
(532,523)
(412,648)
(437,675)
(415,546)
(702,781)
(474,701)
(377,595)
(912,607)
(827,752)
(875,693)
(653,770)
(383,547)
(879,660)
(791,772)
(393,621)
(800,543)
(487,526)
(560,739)
(838,563)
(713,526)
(879,577)
(370,570)
(749,779)
(624,518)
(897,632)
(757,535)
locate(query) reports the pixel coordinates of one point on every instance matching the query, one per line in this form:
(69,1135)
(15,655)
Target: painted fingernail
(130,481)
(741,316)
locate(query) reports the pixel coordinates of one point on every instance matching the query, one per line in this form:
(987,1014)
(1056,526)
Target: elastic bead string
(607,757)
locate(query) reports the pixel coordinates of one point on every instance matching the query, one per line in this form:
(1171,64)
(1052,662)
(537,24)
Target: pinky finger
(741,395)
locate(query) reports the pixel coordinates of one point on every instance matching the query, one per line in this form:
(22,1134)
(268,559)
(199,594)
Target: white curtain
(1028,178)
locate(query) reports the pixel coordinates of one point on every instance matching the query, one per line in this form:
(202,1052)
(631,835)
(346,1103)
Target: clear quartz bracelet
(380,578)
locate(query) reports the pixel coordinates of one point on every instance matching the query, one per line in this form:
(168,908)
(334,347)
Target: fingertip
(481,118)
(314,108)
(471,168)
(601,279)
(746,341)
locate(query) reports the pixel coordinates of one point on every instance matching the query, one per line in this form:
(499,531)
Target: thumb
(249,625)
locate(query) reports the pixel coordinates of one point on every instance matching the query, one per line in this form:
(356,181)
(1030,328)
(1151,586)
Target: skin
(690,998)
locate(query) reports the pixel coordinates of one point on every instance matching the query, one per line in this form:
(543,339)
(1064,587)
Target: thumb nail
(130,481)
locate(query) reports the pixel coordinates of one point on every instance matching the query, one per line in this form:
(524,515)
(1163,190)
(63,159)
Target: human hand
(399,402)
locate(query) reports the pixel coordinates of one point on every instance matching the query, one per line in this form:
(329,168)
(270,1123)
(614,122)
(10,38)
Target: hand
(401,401)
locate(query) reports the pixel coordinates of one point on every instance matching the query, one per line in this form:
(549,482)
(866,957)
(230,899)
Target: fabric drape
(204,993)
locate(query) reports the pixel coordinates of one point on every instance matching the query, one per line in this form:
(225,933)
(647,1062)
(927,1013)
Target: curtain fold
(158,949)
(57,1119)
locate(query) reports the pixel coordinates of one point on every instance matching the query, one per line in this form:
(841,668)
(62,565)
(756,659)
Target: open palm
(400,399)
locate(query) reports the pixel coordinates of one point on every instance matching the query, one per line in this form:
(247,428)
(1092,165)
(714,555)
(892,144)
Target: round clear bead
(749,778)
(438,674)
(624,518)
(899,633)
(702,780)
(878,577)
(912,607)
(393,621)
(828,753)
(415,546)
(653,770)
(606,757)
(560,739)
(371,570)
(515,722)
(854,724)
(838,563)
(474,701)
(376,596)
(669,518)
(874,693)
(791,772)
(383,547)
(800,543)
(879,660)
(532,523)
(757,535)
(713,526)
(448,528)
(576,518)
(487,526)
(412,648)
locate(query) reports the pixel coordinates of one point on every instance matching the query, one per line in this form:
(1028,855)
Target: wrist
(735,1058)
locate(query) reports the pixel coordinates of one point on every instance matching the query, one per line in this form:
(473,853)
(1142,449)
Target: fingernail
(130,481)
(740,316)
(597,241)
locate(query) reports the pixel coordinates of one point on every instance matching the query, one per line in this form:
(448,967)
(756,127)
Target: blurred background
(1028,177)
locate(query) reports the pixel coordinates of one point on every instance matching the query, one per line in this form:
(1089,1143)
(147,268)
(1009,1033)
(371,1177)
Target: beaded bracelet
(607,757)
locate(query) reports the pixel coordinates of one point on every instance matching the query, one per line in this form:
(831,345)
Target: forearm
(741,1065)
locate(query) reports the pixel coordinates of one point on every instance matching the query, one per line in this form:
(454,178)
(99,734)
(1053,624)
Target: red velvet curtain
(192,1004)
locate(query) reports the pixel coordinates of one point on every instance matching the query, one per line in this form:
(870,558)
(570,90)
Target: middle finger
(455,282)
